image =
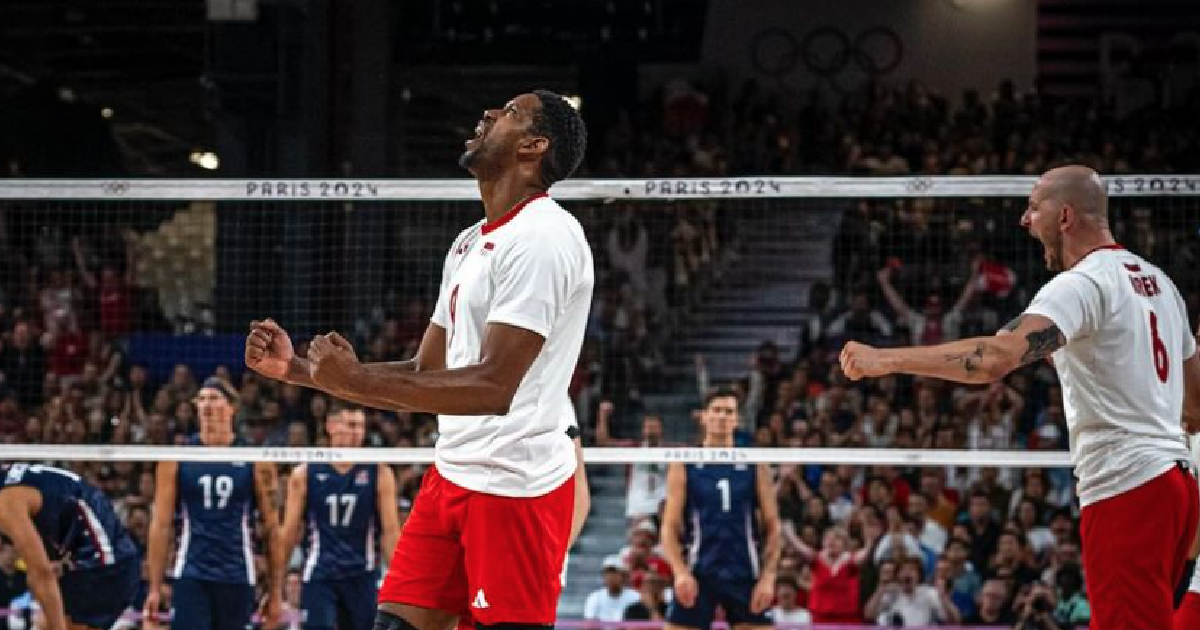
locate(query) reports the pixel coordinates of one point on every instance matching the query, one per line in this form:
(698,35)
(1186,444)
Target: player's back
(76,521)
(1122,373)
(531,269)
(341,521)
(215,507)
(720,519)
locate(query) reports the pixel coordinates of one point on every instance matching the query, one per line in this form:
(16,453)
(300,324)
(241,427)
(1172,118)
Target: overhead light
(575,101)
(107,112)
(205,159)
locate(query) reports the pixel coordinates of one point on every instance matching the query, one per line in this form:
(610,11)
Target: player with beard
(1117,329)
(489,529)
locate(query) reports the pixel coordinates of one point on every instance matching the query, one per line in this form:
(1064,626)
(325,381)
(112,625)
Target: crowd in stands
(880,544)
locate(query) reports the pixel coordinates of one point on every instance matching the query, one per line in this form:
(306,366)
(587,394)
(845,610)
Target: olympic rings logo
(919,184)
(827,51)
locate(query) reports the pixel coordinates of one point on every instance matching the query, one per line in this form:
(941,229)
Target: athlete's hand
(334,363)
(150,611)
(764,594)
(862,361)
(268,349)
(272,612)
(686,590)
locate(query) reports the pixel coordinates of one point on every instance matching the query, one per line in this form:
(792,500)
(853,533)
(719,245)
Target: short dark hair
(337,406)
(720,392)
(561,123)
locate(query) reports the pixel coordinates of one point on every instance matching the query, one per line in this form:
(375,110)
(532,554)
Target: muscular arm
(485,388)
(18,504)
(980,359)
(161,523)
(672,524)
(266,492)
(389,514)
(293,511)
(769,515)
(431,355)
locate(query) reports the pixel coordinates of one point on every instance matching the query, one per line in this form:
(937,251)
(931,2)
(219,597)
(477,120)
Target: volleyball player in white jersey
(489,530)
(1117,329)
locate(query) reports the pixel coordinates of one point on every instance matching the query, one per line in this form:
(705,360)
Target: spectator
(609,603)
(983,529)
(1073,610)
(907,603)
(647,484)
(787,611)
(931,534)
(1036,607)
(653,603)
(965,581)
(993,607)
(835,576)
(933,324)
(861,322)
(23,363)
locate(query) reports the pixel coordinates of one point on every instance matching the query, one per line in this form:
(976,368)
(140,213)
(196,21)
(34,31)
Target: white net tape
(859,456)
(466,190)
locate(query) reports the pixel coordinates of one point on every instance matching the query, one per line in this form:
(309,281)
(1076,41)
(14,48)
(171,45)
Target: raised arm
(893,297)
(764,591)
(162,519)
(975,360)
(389,514)
(266,493)
(18,505)
(293,511)
(672,529)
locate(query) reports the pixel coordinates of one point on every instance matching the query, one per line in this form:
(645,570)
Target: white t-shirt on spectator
(922,608)
(531,269)
(1122,368)
(603,606)
(934,536)
(910,544)
(647,489)
(796,616)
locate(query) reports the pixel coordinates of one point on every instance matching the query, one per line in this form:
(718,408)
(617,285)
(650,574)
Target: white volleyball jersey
(1121,370)
(532,268)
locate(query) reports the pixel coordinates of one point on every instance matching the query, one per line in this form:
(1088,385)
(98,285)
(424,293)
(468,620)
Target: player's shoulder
(464,238)
(545,214)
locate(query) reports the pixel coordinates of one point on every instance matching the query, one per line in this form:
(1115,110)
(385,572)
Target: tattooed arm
(977,360)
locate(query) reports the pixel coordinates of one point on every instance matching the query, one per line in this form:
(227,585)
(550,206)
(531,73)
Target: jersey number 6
(1162,364)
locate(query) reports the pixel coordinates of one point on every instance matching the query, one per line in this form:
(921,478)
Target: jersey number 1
(1162,362)
(723,487)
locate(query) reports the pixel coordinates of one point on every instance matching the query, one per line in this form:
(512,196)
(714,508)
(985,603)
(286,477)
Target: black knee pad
(385,620)
(513,626)
(1181,589)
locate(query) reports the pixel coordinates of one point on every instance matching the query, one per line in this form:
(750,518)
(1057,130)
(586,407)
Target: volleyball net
(127,293)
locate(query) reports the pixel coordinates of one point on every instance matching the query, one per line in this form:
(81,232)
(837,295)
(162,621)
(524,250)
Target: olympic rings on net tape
(592,455)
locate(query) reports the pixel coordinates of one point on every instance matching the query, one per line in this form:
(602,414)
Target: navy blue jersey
(77,522)
(341,521)
(722,537)
(214,508)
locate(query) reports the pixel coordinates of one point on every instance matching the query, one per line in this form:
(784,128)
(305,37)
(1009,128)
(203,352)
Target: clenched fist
(268,349)
(862,361)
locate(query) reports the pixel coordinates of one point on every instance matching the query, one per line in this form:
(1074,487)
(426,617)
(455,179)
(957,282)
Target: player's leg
(426,584)
(735,598)
(191,608)
(318,605)
(698,616)
(96,598)
(356,603)
(1134,545)
(233,605)
(515,549)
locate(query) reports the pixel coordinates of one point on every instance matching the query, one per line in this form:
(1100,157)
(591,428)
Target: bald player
(1117,330)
